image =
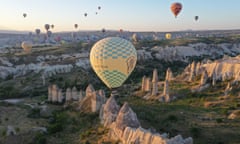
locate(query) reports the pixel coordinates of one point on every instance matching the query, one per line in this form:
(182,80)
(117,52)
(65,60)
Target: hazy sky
(133,15)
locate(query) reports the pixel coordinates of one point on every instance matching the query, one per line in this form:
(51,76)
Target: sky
(129,15)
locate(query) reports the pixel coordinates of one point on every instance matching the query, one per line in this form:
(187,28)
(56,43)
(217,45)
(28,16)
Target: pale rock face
(109,112)
(169,75)
(93,100)
(143,55)
(166,91)
(54,93)
(127,118)
(148,85)
(68,94)
(89,90)
(96,101)
(192,72)
(224,69)
(234,115)
(143,83)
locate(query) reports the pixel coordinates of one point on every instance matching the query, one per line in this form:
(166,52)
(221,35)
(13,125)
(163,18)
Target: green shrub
(40,139)
(54,128)
(195,131)
(219,120)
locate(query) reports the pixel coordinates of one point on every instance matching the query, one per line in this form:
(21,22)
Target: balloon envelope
(168,36)
(76,25)
(24,14)
(196,18)
(27,46)
(176,8)
(47,26)
(37,31)
(113,59)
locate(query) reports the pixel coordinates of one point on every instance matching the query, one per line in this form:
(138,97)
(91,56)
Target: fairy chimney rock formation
(109,112)
(155,83)
(126,118)
(54,93)
(192,72)
(148,85)
(204,78)
(68,94)
(169,75)
(90,90)
(143,83)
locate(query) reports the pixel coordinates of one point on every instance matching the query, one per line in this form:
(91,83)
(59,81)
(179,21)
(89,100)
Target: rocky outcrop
(93,100)
(109,112)
(169,75)
(126,118)
(224,69)
(192,72)
(124,126)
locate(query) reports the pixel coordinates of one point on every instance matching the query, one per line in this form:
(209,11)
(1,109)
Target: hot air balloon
(76,26)
(168,35)
(113,59)
(24,15)
(103,30)
(196,18)
(27,46)
(135,37)
(121,30)
(85,14)
(176,8)
(47,26)
(37,31)
(52,26)
(99,7)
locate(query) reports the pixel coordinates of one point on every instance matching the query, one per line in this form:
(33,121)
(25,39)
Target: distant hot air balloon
(37,31)
(24,15)
(85,14)
(176,8)
(52,26)
(168,35)
(47,26)
(99,7)
(121,30)
(103,30)
(113,59)
(27,46)
(135,37)
(96,13)
(76,26)
(196,18)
